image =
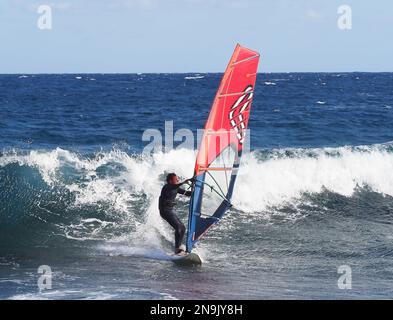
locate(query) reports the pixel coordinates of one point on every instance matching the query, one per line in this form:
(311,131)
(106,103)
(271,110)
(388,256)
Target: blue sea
(78,194)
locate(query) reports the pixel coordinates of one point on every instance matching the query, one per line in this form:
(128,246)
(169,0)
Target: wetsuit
(166,205)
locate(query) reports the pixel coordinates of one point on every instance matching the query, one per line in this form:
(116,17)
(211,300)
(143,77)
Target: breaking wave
(57,196)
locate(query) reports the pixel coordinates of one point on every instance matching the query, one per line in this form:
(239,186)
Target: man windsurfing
(166,205)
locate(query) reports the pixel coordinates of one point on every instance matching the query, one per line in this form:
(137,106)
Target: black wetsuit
(166,205)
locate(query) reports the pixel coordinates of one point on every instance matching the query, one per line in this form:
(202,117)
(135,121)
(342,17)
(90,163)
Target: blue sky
(193,35)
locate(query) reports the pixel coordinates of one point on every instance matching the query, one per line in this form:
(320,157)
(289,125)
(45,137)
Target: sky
(130,36)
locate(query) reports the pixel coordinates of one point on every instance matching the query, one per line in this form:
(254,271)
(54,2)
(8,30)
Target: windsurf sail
(218,157)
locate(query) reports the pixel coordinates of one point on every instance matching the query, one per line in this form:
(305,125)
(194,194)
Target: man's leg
(176,224)
(179,233)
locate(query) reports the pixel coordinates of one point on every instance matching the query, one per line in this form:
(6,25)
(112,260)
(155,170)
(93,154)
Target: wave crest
(113,195)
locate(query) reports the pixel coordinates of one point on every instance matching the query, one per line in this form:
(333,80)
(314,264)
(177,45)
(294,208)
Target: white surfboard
(186,259)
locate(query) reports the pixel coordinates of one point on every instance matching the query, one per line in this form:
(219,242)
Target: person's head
(172,178)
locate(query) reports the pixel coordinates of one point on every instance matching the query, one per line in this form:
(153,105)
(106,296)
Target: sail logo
(237,117)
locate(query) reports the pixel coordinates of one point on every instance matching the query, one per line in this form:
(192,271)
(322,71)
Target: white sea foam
(282,176)
(340,170)
(61,294)
(197,76)
(123,249)
(260,183)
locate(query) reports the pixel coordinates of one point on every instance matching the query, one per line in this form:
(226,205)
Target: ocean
(78,193)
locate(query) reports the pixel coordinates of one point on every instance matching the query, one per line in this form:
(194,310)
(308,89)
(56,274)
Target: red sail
(229,115)
(222,144)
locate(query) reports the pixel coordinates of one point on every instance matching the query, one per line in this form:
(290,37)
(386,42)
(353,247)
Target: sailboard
(220,150)
(186,259)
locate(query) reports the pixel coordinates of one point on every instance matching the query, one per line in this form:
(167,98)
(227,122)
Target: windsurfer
(166,206)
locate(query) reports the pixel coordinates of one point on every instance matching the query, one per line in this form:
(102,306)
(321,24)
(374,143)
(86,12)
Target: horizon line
(191,72)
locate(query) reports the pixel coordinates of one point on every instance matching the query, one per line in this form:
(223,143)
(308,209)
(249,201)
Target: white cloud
(68,5)
(33,5)
(147,4)
(313,14)
(236,4)
(63,6)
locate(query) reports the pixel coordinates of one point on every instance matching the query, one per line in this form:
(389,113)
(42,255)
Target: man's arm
(177,186)
(184,192)
(181,183)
